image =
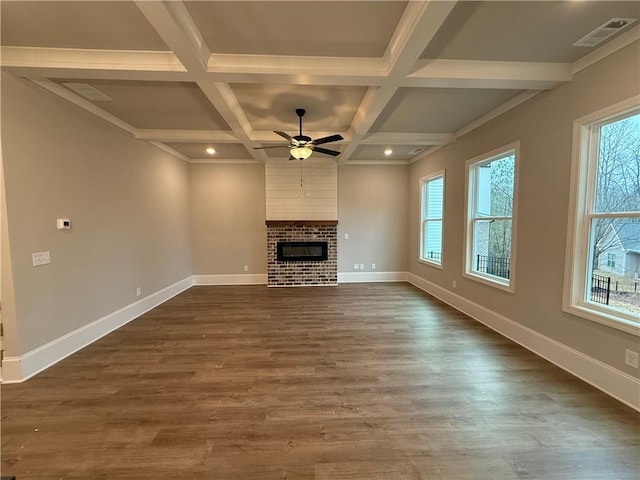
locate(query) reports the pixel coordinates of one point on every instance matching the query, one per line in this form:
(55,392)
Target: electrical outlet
(362,266)
(41,258)
(373,266)
(246,268)
(453,284)
(356,266)
(631,358)
(346,236)
(138,292)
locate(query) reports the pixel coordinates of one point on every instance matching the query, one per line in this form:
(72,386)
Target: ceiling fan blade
(326,151)
(330,138)
(271,146)
(284,135)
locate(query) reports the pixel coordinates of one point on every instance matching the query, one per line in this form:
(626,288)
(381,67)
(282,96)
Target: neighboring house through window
(490,225)
(603,248)
(431,217)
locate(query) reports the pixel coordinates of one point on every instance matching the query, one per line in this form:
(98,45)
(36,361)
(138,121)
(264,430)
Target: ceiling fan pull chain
(301,173)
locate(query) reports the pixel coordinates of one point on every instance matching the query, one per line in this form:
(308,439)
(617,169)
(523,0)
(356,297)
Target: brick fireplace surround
(299,273)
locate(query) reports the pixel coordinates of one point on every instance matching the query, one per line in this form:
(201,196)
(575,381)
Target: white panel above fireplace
(315,199)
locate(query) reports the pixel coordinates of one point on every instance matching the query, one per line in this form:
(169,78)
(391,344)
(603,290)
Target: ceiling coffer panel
(87,25)
(273,107)
(399,153)
(161,105)
(438,110)
(523,31)
(323,29)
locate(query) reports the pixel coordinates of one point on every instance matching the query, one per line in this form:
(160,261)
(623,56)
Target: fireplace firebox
(302,251)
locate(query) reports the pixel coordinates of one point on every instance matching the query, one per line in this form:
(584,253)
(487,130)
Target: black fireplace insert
(302,251)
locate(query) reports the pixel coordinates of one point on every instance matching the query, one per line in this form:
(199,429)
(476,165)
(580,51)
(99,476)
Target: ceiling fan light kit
(301,146)
(300,153)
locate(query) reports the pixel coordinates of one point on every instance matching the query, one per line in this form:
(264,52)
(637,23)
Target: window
(603,246)
(489,239)
(432,204)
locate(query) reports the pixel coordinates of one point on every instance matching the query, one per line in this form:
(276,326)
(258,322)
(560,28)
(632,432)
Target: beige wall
(373,205)
(127,201)
(228,231)
(228,218)
(544,127)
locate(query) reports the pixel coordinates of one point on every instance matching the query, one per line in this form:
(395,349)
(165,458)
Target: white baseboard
(231,279)
(363,277)
(19,369)
(611,381)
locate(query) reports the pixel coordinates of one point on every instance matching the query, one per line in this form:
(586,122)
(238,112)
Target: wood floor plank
(359,381)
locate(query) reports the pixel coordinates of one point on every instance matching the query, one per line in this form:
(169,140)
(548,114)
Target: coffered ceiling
(405,76)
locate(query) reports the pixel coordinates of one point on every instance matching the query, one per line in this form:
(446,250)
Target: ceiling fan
(302,146)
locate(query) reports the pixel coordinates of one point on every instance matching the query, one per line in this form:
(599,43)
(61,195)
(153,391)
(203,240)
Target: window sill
(490,281)
(425,261)
(603,318)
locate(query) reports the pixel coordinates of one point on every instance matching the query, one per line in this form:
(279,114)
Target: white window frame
(582,194)
(468,271)
(423,182)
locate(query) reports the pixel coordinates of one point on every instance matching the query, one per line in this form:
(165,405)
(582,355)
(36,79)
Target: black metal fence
(498,266)
(435,256)
(600,289)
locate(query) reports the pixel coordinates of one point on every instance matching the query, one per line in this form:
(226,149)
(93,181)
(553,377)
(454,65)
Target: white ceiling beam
(297,70)
(175,26)
(170,151)
(79,63)
(265,136)
(417,27)
(485,74)
(186,136)
(387,138)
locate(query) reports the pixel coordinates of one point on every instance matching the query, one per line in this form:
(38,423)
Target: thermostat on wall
(64,223)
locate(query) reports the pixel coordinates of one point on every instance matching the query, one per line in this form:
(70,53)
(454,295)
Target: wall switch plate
(346,236)
(138,292)
(454,284)
(41,258)
(356,266)
(631,358)
(362,266)
(246,268)
(373,266)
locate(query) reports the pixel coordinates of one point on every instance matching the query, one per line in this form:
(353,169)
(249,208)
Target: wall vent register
(302,251)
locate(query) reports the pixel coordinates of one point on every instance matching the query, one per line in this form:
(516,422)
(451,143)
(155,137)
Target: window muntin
(431,218)
(601,280)
(491,189)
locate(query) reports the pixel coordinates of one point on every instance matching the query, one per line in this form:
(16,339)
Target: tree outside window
(490,194)
(602,277)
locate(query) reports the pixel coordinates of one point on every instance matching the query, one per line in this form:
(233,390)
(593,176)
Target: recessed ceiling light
(388,152)
(211,150)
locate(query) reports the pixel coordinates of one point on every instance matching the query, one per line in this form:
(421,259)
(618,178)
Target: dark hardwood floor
(360,381)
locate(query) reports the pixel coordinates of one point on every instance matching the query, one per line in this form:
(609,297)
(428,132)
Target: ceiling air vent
(416,151)
(87,91)
(604,31)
